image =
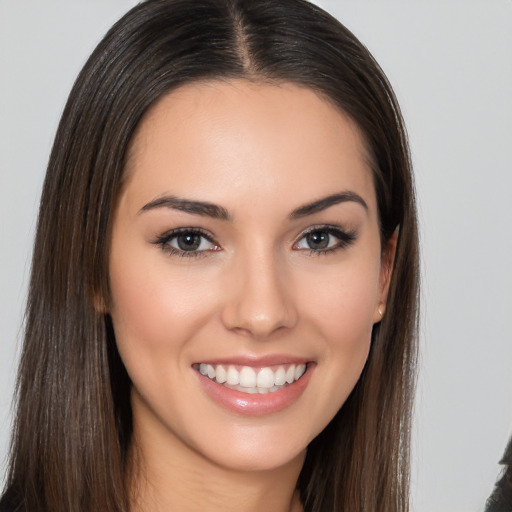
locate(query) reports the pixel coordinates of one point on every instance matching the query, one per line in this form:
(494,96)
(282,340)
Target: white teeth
(221,374)
(280,376)
(247,377)
(265,378)
(233,377)
(299,372)
(249,380)
(255,390)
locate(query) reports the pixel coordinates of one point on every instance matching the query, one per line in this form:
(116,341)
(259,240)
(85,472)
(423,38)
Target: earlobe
(379,313)
(386,270)
(99,303)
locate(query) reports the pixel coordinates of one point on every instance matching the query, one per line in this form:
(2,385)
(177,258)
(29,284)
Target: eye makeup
(325,239)
(187,242)
(196,242)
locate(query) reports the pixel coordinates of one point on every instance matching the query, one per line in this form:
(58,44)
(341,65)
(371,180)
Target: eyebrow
(207,209)
(189,206)
(327,202)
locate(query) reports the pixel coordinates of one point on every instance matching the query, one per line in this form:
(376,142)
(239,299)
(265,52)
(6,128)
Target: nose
(260,300)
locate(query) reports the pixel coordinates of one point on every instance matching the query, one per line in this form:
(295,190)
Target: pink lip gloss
(255,404)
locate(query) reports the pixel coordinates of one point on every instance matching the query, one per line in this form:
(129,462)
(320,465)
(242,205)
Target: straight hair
(73,423)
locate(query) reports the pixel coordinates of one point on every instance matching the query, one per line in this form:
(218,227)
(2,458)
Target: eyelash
(164,240)
(345,239)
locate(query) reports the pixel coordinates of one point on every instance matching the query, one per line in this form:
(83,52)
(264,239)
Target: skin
(260,152)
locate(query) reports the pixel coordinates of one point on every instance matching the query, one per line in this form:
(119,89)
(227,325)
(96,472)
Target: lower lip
(249,404)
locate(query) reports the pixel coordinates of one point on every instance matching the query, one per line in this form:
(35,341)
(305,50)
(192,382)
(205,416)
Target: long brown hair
(73,424)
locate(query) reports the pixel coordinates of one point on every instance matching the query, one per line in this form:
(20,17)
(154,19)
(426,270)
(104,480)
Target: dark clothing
(501,498)
(8,503)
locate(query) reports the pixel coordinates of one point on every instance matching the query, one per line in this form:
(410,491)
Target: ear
(99,303)
(386,269)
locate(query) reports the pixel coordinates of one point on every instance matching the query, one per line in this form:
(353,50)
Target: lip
(248,404)
(257,361)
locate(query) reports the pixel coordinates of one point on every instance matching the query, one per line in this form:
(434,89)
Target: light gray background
(451,65)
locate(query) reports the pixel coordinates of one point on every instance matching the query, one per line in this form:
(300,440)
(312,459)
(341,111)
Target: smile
(253,380)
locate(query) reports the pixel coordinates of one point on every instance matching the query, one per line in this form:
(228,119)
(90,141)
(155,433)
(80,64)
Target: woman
(222,309)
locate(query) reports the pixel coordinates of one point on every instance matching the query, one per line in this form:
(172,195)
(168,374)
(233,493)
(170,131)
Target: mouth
(255,386)
(253,380)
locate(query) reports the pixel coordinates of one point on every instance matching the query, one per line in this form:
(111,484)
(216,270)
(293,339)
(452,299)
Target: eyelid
(345,236)
(164,239)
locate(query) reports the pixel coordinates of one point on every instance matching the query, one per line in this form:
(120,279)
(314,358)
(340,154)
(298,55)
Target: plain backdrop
(450,63)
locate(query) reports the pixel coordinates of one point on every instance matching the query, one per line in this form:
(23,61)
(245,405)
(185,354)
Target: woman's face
(245,270)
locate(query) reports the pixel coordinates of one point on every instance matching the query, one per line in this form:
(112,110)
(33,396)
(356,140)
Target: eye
(186,242)
(325,239)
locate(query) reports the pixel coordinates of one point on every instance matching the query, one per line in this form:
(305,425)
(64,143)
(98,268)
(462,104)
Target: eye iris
(189,241)
(318,240)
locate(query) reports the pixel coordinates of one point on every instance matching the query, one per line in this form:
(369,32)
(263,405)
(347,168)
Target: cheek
(342,303)
(154,309)
(345,323)
(340,311)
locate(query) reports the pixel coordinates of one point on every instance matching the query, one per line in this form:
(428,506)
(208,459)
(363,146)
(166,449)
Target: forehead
(246,137)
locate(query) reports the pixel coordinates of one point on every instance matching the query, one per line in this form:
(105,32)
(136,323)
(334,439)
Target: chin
(265,460)
(256,449)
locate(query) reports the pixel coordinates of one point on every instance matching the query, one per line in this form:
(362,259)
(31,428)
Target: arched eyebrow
(326,202)
(189,206)
(215,211)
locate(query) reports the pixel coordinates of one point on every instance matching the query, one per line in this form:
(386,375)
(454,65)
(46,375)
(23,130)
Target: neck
(171,476)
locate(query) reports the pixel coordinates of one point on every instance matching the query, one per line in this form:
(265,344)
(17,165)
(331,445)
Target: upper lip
(257,361)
